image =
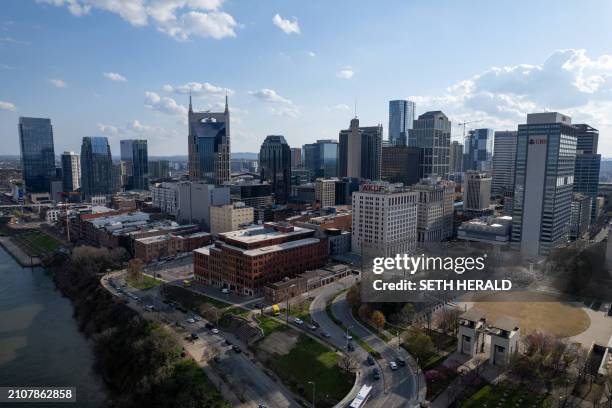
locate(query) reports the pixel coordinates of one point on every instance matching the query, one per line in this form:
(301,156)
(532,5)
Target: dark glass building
(209,145)
(321,158)
(96,167)
(37,154)
(588,162)
(360,151)
(275,166)
(135,156)
(401,118)
(400,164)
(431,133)
(478,150)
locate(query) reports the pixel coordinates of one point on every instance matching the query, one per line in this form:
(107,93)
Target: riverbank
(18,254)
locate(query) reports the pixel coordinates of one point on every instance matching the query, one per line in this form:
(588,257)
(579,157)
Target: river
(40,344)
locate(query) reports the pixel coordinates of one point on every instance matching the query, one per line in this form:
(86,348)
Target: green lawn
(270,325)
(493,396)
(146,282)
(301,310)
(190,299)
(309,360)
(37,243)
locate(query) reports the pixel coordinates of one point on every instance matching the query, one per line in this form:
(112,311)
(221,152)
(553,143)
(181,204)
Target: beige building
(229,217)
(325,192)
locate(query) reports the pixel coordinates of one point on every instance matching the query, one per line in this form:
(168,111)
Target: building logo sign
(539,141)
(371,187)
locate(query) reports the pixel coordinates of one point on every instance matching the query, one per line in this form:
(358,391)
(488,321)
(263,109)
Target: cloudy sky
(125,68)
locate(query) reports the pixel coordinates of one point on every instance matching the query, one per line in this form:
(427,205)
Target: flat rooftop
(261,234)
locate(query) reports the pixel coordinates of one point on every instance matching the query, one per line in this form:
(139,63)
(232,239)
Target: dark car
(375,374)
(209,326)
(228,342)
(236,349)
(326,334)
(370,360)
(194,336)
(351,347)
(401,362)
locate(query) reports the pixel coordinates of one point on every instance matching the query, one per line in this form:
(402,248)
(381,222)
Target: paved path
(20,256)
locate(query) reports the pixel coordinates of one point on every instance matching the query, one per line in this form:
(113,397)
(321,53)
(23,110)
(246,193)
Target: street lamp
(314,387)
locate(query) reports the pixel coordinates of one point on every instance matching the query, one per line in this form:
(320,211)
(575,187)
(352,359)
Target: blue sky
(123,69)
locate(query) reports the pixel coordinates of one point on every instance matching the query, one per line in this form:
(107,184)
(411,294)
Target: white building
(165,197)
(53,215)
(325,192)
(435,209)
(384,219)
(229,217)
(477,194)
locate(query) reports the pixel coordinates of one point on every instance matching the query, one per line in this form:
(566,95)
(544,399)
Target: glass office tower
(401,117)
(96,167)
(37,154)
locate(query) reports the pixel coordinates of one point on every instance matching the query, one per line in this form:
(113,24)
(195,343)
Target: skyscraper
(96,167)
(360,151)
(545,159)
(71,171)
(588,162)
(401,117)
(455,158)
(321,158)
(400,164)
(209,145)
(478,150)
(275,166)
(37,154)
(431,133)
(296,157)
(477,194)
(136,158)
(504,154)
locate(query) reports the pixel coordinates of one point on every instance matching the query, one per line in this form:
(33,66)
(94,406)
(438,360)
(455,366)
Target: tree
(407,313)
(348,364)
(378,319)
(353,296)
(419,344)
(134,270)
(448,320)
(365,312)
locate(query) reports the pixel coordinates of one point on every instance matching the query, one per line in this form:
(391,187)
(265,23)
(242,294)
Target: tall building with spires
(209,145)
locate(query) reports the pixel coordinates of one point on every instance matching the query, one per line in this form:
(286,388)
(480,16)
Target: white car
(298,321)
(392,365)
(197,318)
(214,331)
(225,290)
(150,308)
(348,336)
(190,320)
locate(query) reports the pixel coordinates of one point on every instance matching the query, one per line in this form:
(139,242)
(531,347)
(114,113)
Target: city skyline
(124,99)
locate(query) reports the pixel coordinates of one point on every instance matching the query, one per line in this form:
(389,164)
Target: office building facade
(588,163)
(400,164)
(431,133)
(275,166)
(545,160)
(477,193)
(504,156)
(37,154)
(209,145)
(71,172)
(360,151)
(455,158)
(321,158)
(135,164)
(401,118)
(96,168)
(478,148)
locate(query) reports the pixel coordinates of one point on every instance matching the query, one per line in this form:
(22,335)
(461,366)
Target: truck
(275,310)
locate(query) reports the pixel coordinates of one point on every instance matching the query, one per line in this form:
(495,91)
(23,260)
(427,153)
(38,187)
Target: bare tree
(348,364)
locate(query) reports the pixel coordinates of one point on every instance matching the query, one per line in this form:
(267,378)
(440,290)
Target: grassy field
(191,300)
(270,325)
(36,243)
(307,361)
(146,282)
(500,396)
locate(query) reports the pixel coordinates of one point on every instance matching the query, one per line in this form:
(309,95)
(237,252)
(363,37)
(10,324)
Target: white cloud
(568,80)
(58,83)
(345,73)
(197,88)
(12,40)
(4,105)
(270,95)
(164,104)
(311,54)
(180,19)
(138,129)
(114,76)
(288,111)
(288,26)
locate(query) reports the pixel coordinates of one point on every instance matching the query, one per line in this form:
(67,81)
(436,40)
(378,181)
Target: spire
(226,105)
(190,107)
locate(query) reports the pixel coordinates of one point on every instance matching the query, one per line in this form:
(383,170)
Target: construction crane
(467,123)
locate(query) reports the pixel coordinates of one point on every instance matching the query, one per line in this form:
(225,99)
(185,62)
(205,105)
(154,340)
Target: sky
(124,68)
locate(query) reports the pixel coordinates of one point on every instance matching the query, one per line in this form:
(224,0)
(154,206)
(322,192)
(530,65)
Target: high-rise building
(195,199)
(478,147)
(71,172)
(96,167)
(431,133)
(275,166)
(325,192)
(321,158)
(360,151)
(435,213)
(209,145)
(37,154)
(504,155)
(455,158)
(384,220)
(400,164)
(588,162)
(135,157)
(253,194)
(580,215)
(159,169)
(545,160)
(401,118)
(477,193)
(296,157)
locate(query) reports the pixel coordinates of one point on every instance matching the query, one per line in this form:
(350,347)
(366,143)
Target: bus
(362,397)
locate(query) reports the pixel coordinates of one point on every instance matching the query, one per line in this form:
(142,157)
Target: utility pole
(314,386)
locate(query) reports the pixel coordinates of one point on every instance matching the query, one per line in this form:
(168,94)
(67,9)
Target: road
(241,380)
